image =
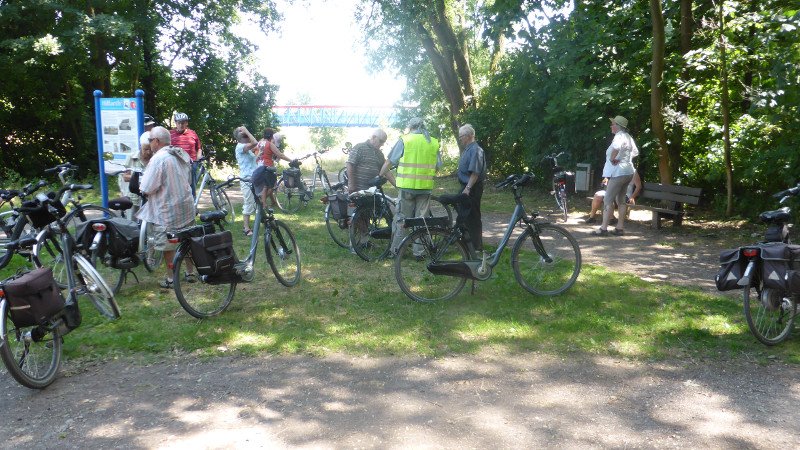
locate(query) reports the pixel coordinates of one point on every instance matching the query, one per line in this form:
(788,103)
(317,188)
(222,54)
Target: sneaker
(190,277)
(600,232)
(618,232)
(590,220)
(166,283)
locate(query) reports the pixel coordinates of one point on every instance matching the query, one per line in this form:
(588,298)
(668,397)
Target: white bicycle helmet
(180,117)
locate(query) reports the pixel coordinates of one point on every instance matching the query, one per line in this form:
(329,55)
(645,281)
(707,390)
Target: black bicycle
(563,183)
(219,269)
(434,262)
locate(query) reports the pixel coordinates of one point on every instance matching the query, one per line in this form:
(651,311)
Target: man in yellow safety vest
(416,156)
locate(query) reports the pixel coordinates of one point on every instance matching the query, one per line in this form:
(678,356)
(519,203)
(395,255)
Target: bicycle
(219,197)
(13,224)
(291,189)
(342,175)
(337,220)
(214,291)
(370,230)
(765,272)
(546,258)
(32,352)
(561,183)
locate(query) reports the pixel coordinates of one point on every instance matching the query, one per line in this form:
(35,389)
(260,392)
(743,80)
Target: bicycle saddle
(213,216)
(455,199)
(778,215)
(120,204)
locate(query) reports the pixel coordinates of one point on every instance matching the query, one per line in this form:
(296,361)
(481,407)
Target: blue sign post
(116,119)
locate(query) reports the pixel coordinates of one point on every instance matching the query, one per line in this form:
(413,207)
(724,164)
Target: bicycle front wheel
(547,263)
(47,253)
(151,257)
(338,229)
(112,276)
(371,232)
(200,298)
(221,201)
(416,252)
(769,313)
(283,255)
(289,199)
(32,355)
(92,285)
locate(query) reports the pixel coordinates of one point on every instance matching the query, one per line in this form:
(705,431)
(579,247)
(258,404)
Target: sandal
(618,232)
(600,232)
(190,277)
(166,283)
(248,232)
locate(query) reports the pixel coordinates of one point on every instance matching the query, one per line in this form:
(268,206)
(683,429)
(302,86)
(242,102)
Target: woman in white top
(619,171)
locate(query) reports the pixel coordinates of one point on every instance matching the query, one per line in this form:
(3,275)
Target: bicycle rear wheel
(200,298)
(423,247)
(562,195)
(338,229)
(550,275)
(111,275)
(91,284)
(439,209)
(32,355)
(283,255)
(221,201)
(769,313)
(11,232)
(371,232)
(151,257)
(289,199)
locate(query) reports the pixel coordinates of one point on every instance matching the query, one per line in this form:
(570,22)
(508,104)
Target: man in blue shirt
(471,174)
(246,154)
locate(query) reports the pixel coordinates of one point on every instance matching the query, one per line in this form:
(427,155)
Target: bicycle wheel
(151,257)
(283,255)
(562,194)
(342,176)
(439,209)
(371,232)
(221,201)
(338,229)
(769,313)
(47,253)
(32,355)
(112,276)
(84,213)
(289,199)
(423,247)
(19,229)
(549,275)
(92,285)
(200,298)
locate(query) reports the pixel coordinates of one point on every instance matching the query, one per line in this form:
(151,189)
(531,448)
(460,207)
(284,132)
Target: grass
(349,306)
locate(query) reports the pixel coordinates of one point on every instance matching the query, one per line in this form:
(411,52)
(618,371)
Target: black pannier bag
(123,237)
(777,261)
(732,266)
(292,178)
(338,204)
(213,254)
(40,213)
(34,297)
(568,178)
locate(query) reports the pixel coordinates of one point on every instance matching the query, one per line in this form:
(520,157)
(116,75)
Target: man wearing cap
(416,156)
(184,137)
(135,162)
(619,171)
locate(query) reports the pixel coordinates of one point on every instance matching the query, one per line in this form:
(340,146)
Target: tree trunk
(725,109)
(656,108)
(682,104)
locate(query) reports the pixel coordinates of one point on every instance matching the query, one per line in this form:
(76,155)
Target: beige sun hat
(621,121)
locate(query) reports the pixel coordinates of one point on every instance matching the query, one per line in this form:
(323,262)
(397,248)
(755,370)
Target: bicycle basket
(39,213)
(292,178)
(34,297)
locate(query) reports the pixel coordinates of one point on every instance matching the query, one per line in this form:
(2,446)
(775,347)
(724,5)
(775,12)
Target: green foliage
(325,138)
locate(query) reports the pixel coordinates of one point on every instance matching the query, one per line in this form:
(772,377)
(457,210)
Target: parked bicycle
(220,270)
(434,262)
(218,195)
(292,190)
(767,273)
(15,225)
(35,316)
(370,229)
(563,183)
(342,176)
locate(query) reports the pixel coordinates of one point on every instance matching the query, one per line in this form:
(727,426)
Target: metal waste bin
(583,177)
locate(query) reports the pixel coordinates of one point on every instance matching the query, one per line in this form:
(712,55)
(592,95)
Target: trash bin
(583,178)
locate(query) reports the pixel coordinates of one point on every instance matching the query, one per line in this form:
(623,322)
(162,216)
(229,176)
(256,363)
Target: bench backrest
(672,193)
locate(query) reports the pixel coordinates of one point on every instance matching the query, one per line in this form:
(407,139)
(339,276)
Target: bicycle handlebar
(60,167)
(515,181)
(784,195)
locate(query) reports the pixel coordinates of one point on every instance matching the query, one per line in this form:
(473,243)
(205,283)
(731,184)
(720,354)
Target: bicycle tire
(151,258)
(562,193)
(371,232)
(534,273)
(289,199)
(769,315)
(221,201)
(21,228)
(283,254)
(92,285)
(342,175)
(438,209)
(411,266)
(200,299)
(33,363)
(47,253)
(338,229)
(111,275)
(83,213)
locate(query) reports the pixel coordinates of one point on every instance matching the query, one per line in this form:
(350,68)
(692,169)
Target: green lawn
(346,305)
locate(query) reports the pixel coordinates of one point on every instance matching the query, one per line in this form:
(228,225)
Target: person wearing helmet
(184,137)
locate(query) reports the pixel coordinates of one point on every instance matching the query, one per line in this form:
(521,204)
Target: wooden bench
(672,199)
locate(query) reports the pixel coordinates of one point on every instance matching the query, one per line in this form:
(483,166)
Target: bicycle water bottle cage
(777,216)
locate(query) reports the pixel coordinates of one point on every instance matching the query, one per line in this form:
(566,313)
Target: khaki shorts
(160,237)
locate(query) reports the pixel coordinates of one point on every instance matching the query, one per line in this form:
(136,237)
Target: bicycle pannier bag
(34,297)
(338,204)
(213,253)
(39,212)
(570,182)
(732,266)
(123,237)
(292,178)
(777,260)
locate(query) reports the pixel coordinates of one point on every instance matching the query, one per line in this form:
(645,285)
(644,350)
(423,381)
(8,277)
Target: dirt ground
(485,401)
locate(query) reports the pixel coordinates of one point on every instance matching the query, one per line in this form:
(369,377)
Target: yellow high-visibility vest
(417,167)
